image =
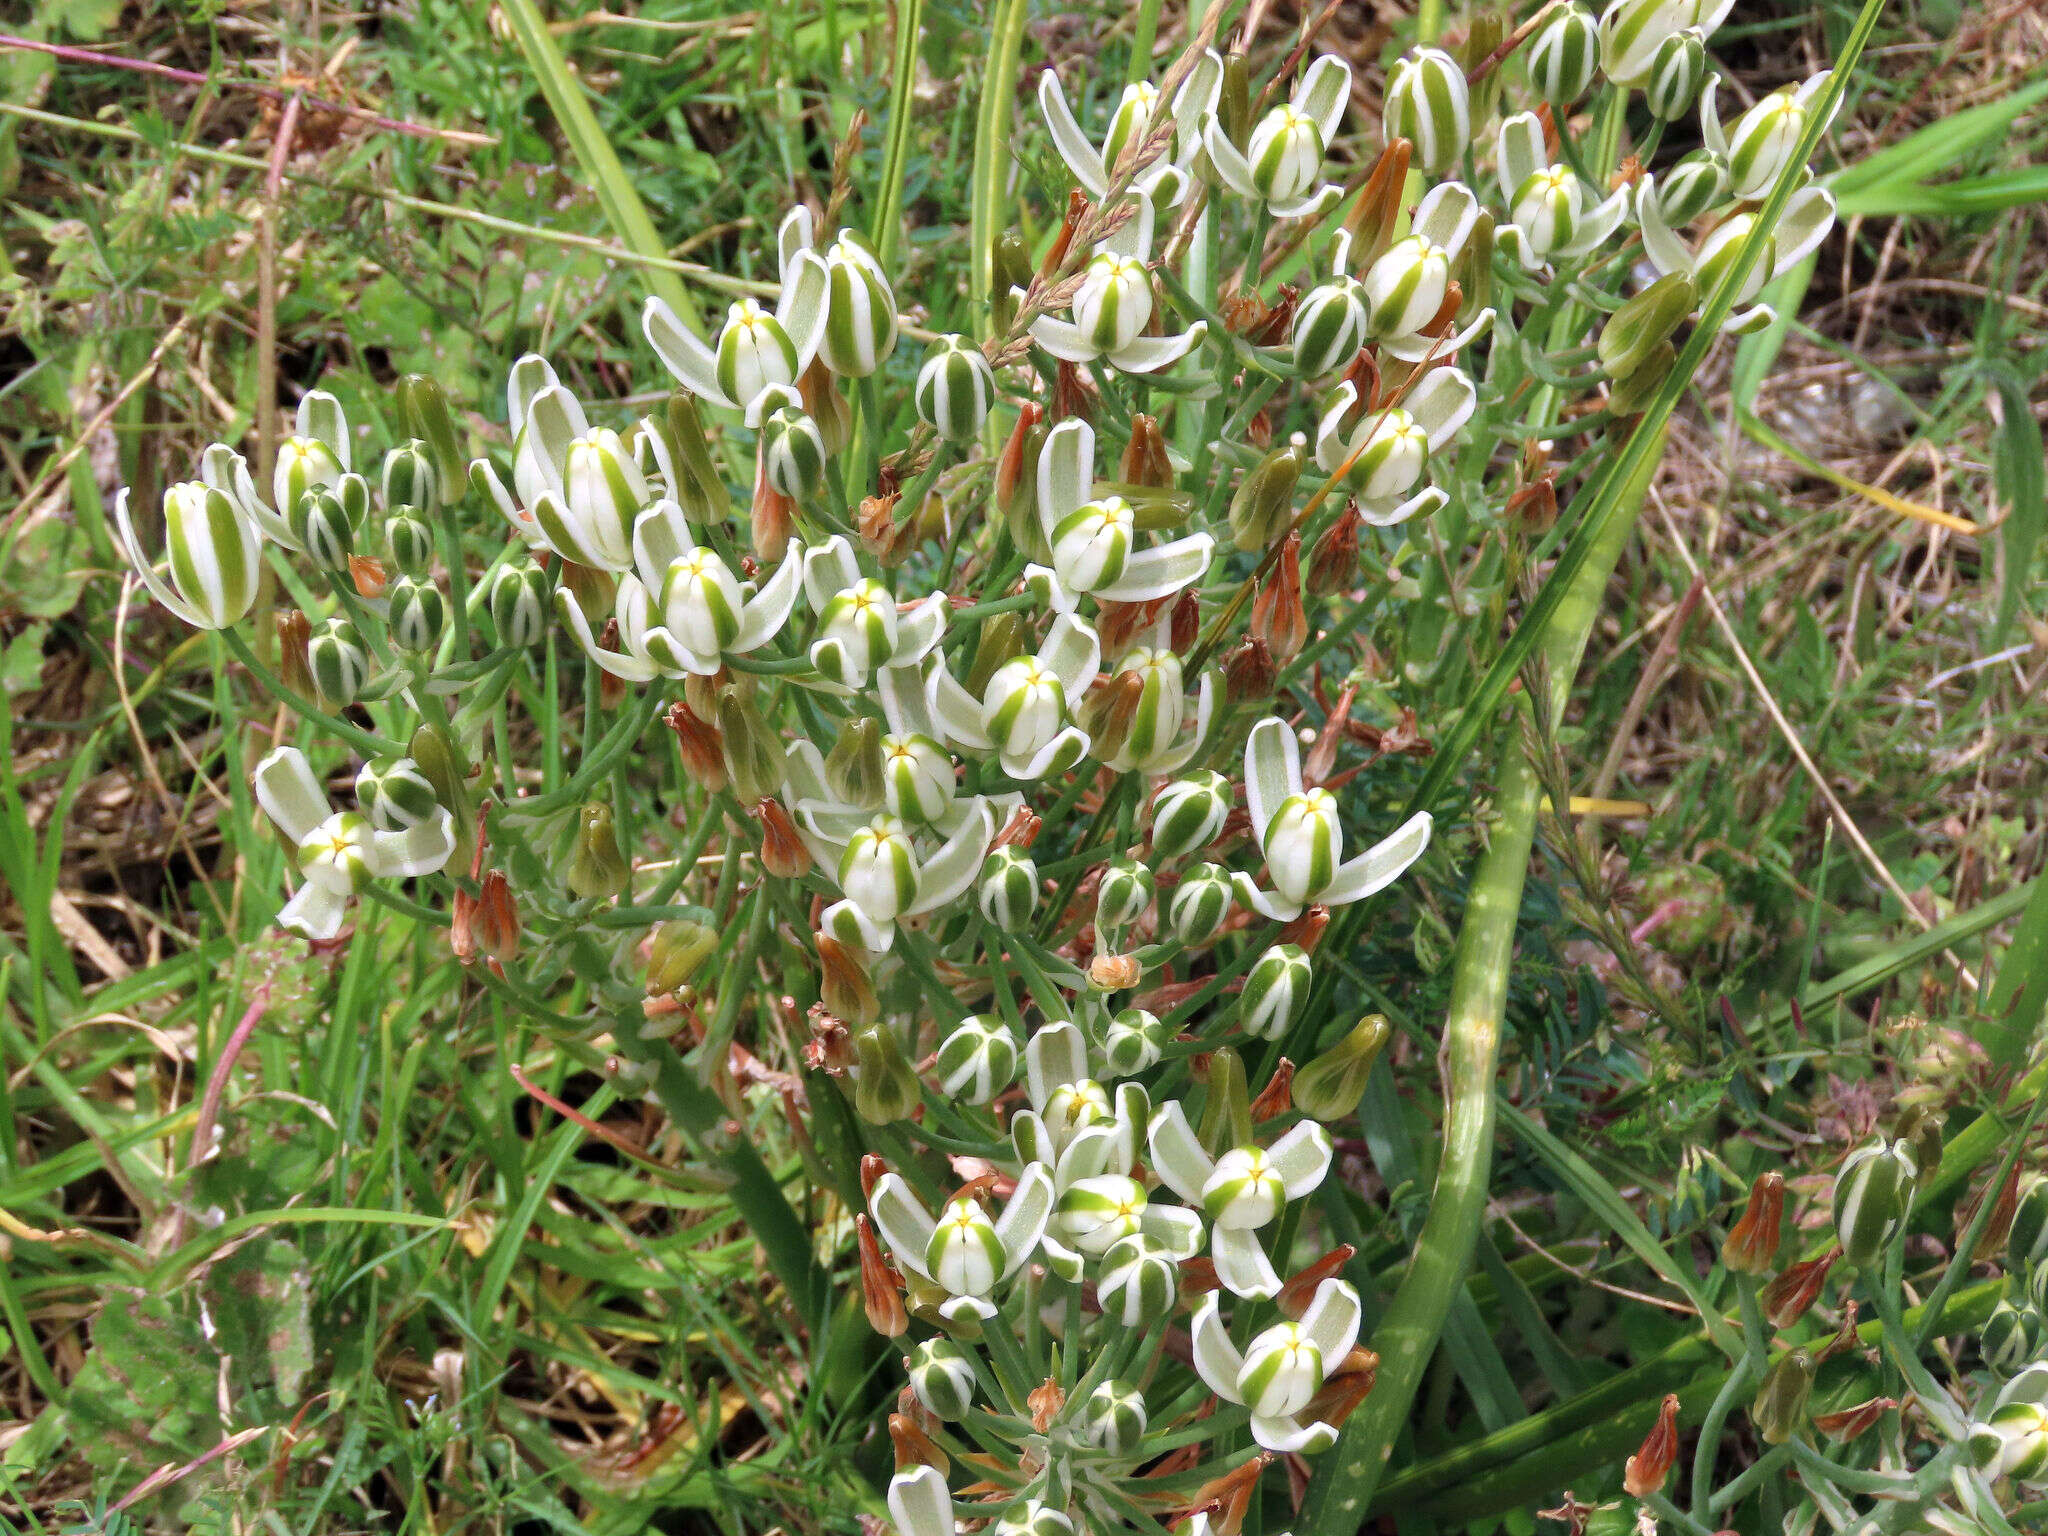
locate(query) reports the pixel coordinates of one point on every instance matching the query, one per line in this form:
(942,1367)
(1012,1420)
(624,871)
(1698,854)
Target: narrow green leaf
(2018,474)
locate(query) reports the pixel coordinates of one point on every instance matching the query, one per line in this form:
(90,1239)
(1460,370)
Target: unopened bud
(1275,991)
(1752,1244)
(597,867)
(2026,1242)
(293,629)
(1263,503)
(1132,1041)
(1779,1411)
(418,615)
(942,1378)
(1017,481)
(784,854)
(1227,1114)
(1332,1084)
(753,750)
(1249,674)
(338,662)
(978,1060)
(1787,1298)
(1008,893)
(1630,339)
(1333,564)
(1122,896)
(1200,905)
(843,984)
(1849,1423)
(1001,639)
(1644,1472)
(1188,814)
(881,1288)
(887,1088)
(1278,618)
(1873,1192)
(853,768)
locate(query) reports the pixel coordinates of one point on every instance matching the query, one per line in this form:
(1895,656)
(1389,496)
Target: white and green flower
(1393,446)
(212,553)
(1241,1191)
(1025,714)
(1428,103)
(860,306)
(1094,539)
(1281,165)
(1759,149)
(1406,287)
(339,852)
(1807,218)
(757,350)
(1113,306)
(1165,182)
(861,628)
(1551,211)
(889,870)
(1282,1369)
(1302,836)
(964,1251)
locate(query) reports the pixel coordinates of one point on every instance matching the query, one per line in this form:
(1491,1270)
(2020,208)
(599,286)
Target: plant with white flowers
(999,727)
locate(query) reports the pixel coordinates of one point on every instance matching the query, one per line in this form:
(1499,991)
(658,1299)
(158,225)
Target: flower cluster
(996,684)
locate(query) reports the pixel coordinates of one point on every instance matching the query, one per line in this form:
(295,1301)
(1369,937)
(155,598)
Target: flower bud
(1329,326)
(1139,1282)
(1282,1370)
(1428,104)
(1200,905)
(1634,332)
(1188,814)
(1122,897)
(2011,1338)
(1330,1087)
(1631,32)
(853,768)
(520,604)
(1631,393)
(1690,188)
(1278,618)
(1752,1244)
(1132,1041)
(418,615)
(1001,640)
(1564,55)
(701,747)
(410,478)
(1407,286)
(2037,1289)
(793,454)
(1010,267)
(978,1060)
(1333,564)
(410,541)
(1017,480)
(2012,1439)
(753,750)
(338,662)
(2026,1243)
(942,1378)
(887,1089)
(843,985)
(1849,1423)
(676,953)
(1779,1411)
(1263,503)
(881,1291)
(1112,1418)
(1644,1472)
(1873,1192)
(294,629)
(1249,674)
(1761,146)
(597,867)
(394,793)
(423,415)
(1008,894)
(1275,992)
(955,390)
(784,854)
(1677,71)
(1145,461)
(1787,1298)
(325,523)
(1377,214)
(1227,1113)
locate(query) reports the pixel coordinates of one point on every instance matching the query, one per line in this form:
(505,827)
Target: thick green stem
(1407,1335)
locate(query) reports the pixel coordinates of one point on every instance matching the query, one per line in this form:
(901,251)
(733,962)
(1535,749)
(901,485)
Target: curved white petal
(158,587)
(1177,1157)
(1066,472)
(1241,1263)
(1161,571)
(1056,1054)
(1062,752)
(904,1223)
(1381,864)
(661,535)
(829,569)
(1301,1158)
(1023,1221)
(289,793)
(633,669)
(1232,168)
(948,873)
(1331,1321)
(1323,94)
(1043,583)
(806,290)
(420,849)
(1667,253)
(1282,1435)
(957,711)
(1175,1227)
(767,610)
(1073,653)
(1064,340)
(1519,152)
(1073,146)
(1149,354)
(1312,204)
(314,913)
(794,234)
(851,926)
(1413,349)
(1441,403)
(1270,905)
(1272,771)
(920,1504)
(682,354)
(919,630)
(1809,215)
(1389,512)
(1217,1360)
(527,378)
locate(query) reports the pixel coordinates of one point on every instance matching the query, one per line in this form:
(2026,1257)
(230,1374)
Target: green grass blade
(986,194)
(887,223)
(623,209)
(1899,166)
(2018,474)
